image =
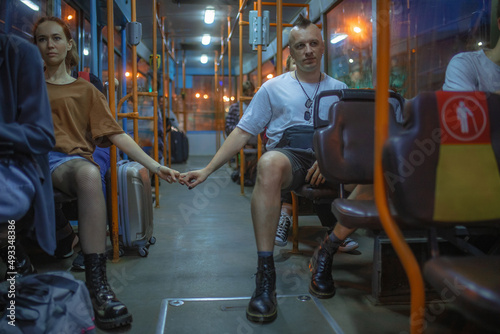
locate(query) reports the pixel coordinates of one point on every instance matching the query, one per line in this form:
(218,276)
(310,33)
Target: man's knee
(273,165)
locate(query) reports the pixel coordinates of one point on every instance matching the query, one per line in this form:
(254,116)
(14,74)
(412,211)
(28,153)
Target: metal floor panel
(296,314)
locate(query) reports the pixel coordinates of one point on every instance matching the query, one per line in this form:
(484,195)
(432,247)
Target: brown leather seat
(472,282)
(443,170)
(344,146)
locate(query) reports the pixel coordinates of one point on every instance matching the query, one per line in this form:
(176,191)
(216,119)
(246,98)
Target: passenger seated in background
(26,137)
(232,119)
(282,103)
(476,70)
(233,115)
(285,221)
(82,119)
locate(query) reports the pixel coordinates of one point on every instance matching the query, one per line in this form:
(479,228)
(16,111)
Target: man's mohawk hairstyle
(302,22)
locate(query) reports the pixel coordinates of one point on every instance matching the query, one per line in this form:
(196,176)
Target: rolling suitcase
(180,146)
(135,207)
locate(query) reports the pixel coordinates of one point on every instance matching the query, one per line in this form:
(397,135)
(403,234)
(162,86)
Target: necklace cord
(315,91)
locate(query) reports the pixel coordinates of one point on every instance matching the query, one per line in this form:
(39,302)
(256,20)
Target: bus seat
(344,146)
(442,171)
(470,281)
(318,196)
(344,150)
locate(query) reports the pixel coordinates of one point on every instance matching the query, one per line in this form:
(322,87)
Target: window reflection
(349,43)
(425,35)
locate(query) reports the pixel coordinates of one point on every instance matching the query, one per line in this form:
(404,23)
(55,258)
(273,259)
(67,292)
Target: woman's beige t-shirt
(82,119)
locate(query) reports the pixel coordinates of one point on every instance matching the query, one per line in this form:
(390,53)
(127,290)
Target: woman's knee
(88,175)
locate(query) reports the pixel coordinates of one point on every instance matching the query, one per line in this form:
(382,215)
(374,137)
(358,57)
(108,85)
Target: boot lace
(265,284)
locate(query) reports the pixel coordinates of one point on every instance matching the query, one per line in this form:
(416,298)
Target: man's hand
(314,176)
(193,178)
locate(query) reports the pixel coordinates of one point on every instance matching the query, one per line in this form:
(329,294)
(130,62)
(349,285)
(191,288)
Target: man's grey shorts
(301,160)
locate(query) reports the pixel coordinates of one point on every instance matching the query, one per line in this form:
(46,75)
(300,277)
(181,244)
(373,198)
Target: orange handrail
(402,249)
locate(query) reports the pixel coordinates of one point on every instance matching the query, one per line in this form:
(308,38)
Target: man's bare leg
(274,172)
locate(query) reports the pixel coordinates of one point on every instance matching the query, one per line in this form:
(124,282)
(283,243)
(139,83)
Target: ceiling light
(209,15)
(337,38)
(357,30)
(205,40)
(31,5)
(203,59)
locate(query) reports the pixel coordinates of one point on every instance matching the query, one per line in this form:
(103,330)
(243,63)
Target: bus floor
(198,276)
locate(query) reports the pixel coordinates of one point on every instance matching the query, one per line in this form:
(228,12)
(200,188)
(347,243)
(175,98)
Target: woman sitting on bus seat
(82,119)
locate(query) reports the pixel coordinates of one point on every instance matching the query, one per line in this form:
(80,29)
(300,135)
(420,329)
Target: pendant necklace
(309,101)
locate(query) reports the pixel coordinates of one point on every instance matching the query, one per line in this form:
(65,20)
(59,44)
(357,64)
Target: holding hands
(193,178)
(168,174)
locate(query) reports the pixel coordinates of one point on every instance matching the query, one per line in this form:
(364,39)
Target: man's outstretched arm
(233,143)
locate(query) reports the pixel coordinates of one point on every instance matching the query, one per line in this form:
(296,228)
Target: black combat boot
(17,261)
(109,311)
(322,285)
(262,306)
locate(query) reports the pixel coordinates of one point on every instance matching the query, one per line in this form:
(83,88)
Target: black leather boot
(109,311)
(322,285)
(262,306)
(18,262)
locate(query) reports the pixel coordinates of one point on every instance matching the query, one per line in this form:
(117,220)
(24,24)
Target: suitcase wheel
(143,251)
(152,241)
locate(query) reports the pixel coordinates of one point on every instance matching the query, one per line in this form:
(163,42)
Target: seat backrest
(443,167)
(344,143)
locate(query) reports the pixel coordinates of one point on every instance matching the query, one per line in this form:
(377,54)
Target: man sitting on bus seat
(285,219)
(476,70)
(282,103)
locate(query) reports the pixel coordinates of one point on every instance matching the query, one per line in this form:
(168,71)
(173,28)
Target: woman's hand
(168,174)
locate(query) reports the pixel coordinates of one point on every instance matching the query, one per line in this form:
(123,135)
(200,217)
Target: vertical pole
(164,60)
(124,78)
(168,104)
(240,94)
(279,37)
(155,102)
(93,40)
(216,95)
(259,75)
(114,185)
(134,76)
(183,94)
(229,63)
(220,110)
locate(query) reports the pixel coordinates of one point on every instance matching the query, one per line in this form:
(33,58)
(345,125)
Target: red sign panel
(463,117)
